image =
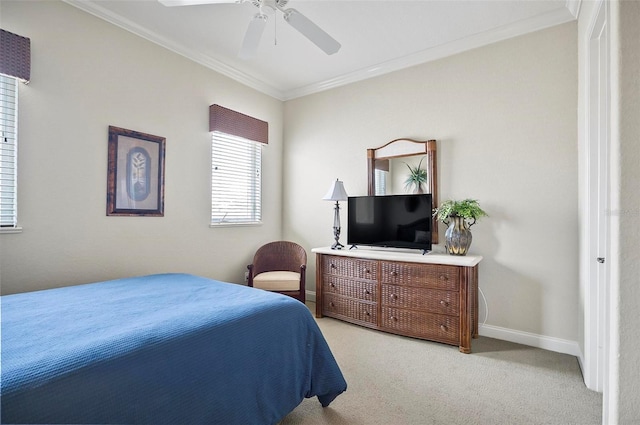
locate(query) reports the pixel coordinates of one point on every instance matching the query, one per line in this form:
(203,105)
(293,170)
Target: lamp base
(336,235)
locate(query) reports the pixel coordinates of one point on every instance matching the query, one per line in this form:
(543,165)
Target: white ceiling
(376,36)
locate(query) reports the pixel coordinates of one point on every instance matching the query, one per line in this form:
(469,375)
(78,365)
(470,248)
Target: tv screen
(397,221)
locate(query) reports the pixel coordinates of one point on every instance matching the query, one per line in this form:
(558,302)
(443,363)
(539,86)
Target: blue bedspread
(161,349)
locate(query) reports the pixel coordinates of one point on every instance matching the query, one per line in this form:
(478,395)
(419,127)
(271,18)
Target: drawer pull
(443,277)
(394,273)
(331,304)
(366,313)
(367,271)
(393,296)
(444,303)
(394,318)
(366,292)
(443,328)
(333,266)
(333,285)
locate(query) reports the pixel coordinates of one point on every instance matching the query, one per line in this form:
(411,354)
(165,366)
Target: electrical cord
(486,307)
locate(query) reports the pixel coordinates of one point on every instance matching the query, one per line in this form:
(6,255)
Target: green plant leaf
(417,176)
(467,208)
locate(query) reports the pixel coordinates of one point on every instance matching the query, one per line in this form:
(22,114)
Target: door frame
(596,243)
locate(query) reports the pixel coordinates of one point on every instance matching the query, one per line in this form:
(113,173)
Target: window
(235,180)
(236,161)
(8,151)
(381,171)
(15,64)
(380,181)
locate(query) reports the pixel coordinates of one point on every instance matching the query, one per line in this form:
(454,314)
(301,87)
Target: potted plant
(417,178)
(459,216)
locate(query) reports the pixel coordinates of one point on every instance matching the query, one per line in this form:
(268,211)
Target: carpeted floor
(394,380)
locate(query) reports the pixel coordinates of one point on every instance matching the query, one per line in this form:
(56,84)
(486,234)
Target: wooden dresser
(430,296)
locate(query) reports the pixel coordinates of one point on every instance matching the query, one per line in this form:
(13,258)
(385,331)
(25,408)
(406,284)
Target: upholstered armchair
(280,267)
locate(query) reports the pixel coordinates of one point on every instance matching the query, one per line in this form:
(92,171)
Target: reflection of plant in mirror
(467,209)
(417,178)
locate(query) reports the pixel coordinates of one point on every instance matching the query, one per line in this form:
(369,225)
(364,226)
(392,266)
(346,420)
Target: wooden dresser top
(409,256)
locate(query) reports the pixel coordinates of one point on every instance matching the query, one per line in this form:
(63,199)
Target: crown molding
(573,6)
(207,61)
(546,20)
(556,17)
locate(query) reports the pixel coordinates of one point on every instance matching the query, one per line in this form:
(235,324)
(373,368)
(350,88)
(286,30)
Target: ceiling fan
(256,26)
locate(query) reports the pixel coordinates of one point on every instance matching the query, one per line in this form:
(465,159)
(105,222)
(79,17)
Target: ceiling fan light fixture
(310,30)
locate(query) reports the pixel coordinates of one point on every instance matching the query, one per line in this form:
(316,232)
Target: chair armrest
(250,277)
(303,273)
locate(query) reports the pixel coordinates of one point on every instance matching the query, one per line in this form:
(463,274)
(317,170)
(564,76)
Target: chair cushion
(277,281)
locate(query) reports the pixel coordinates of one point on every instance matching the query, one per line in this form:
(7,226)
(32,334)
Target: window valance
(382,164)
(238,124)
(15,56)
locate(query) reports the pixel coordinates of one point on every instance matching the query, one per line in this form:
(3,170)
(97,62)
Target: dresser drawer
(437,327)
(429,300)
(421,275)
(349,309)
(350,267)
(359,289)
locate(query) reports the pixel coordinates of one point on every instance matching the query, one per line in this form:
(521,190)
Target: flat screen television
(394,221)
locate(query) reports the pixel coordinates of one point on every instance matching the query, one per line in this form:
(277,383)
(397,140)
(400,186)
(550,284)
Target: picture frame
(135,173)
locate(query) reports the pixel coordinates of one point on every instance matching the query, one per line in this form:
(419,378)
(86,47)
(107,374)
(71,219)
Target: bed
(161,349)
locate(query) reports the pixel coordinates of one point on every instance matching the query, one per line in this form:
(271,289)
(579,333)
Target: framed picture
(135,173)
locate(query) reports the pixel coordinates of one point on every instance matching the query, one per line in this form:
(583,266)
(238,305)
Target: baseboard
(533,340)
(310,296)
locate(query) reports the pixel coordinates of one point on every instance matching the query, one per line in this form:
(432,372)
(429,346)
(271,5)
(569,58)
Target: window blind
(380,182)
(235,180)
(8,151)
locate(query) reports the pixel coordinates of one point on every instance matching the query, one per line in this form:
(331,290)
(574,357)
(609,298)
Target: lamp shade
(336,192)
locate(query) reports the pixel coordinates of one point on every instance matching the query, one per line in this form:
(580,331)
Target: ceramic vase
(457,237)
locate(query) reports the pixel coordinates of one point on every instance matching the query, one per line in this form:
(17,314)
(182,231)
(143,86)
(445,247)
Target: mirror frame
(399,148)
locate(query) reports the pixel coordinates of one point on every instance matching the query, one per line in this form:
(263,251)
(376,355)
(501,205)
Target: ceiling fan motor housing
(271,4)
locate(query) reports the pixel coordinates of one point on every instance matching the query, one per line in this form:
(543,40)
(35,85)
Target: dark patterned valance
(15,56)
(238,124)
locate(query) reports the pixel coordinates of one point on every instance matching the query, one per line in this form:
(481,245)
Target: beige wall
(86,75)
(505,120)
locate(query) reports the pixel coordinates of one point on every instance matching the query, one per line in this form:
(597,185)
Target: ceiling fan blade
(310,30)
(252,36)
(195,2)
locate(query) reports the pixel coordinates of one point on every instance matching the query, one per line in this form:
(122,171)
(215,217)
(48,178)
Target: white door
(597,314)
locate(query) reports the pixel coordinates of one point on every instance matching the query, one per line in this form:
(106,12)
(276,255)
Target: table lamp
(336,193)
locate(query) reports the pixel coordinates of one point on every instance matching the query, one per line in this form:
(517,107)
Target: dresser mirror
(387,168)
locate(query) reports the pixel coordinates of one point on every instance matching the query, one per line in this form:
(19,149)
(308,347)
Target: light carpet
(399,380)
